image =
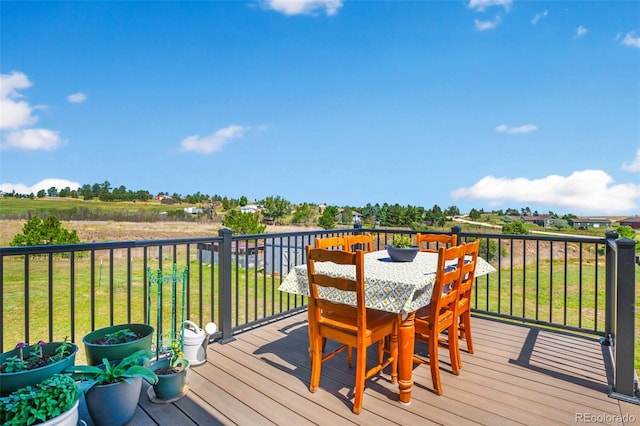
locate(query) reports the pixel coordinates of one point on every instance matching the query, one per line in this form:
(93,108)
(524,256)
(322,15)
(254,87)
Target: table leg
(406,340)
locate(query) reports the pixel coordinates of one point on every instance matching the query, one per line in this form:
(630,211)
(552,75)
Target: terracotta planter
(114,404)
(95,352)
(10,382)
(169,386)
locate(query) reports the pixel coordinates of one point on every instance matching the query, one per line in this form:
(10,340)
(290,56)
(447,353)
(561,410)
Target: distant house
(355,216)
(193,210)
(589,222)
(249,208)
(165,199)
(633,222)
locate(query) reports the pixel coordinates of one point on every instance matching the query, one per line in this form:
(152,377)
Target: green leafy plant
(176,353)
(402,241)
(135,365)
(121,336)
(37,404)
(32,357)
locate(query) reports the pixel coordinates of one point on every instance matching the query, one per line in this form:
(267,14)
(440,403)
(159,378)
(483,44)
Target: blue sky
(478,104)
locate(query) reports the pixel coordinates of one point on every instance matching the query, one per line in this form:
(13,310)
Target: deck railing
(49,292)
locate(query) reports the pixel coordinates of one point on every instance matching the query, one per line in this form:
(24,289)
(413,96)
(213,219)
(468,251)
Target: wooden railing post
(625,385)
(224,278)
(610,288)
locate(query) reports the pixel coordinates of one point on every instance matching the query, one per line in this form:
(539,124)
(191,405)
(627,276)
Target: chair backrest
(318,305)
(331,242)
(468,273)
(365,241)
(437,239)
(447,285)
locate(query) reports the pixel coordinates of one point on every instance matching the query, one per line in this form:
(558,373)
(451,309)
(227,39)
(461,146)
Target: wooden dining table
(398,287)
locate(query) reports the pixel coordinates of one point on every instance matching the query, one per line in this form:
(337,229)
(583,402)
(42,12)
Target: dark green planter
(10,382)
(114,404)
(169,386)
(116,352)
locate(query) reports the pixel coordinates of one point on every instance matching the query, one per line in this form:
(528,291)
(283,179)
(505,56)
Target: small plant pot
(115,352)
(113,404)
(170,386)
(10,382)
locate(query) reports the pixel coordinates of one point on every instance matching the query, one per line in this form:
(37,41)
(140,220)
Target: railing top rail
(65,248)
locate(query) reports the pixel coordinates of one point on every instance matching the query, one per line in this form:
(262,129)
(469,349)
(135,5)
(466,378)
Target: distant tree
(243,201)
(42,193)
(626,232)
(275,208)
(44,232)
(474,214)
(243,223)
(327,219)
(52,192)
(515,228)
(511,212)
(303,214)
(452,211)
(558,223)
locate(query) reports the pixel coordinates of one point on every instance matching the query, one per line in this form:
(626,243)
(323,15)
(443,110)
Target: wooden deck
(518,375)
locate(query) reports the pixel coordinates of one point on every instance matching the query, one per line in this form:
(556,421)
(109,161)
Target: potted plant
(172,375)
(112,390)
(116,342)
(54,401)
(402,249)
(30,364)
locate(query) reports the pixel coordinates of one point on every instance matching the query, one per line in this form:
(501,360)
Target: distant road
(488,225)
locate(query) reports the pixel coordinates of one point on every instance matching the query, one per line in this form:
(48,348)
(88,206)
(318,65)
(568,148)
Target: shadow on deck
(518,375)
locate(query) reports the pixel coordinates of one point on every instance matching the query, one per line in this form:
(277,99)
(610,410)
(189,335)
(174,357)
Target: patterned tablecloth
(399,287)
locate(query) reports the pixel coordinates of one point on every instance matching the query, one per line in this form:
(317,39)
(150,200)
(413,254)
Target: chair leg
(466,324)
(316,364)
(434,363)
(361,365)
(393,346)
(454,349)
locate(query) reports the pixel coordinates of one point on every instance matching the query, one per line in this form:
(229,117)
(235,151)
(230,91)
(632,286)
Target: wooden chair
(440,315)
(365,241)
(437,239)
(352,326)
(339,243)
(464,295)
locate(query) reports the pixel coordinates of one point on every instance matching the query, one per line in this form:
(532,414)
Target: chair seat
(375,320)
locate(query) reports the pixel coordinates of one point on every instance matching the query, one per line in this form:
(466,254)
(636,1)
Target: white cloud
(45,184)
(304,7)
(481,5)
(32,140)
(539,16)
(525,128)
(581,31)
(15,113)
(631,40)
(583,191)
(634,166)
(213,142)
(77,98)
(487,25)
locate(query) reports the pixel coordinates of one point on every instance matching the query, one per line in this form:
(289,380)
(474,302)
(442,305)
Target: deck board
(518,375)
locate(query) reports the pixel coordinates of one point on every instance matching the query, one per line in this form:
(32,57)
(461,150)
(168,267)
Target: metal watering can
(195,341)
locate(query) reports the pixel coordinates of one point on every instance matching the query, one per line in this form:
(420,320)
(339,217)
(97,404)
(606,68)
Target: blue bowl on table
(402,254)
